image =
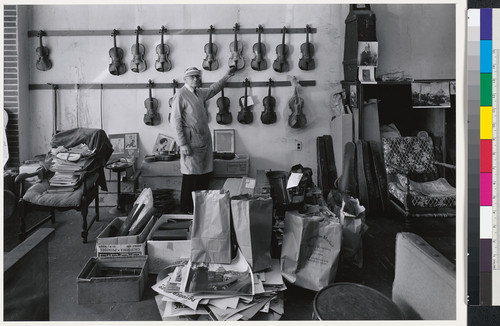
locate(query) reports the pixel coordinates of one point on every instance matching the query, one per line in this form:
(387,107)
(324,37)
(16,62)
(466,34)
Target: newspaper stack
(200,291)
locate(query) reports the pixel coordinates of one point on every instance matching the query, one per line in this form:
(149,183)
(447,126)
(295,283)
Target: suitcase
(360,26)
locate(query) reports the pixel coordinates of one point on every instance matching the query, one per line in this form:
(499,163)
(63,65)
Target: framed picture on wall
(224,140)
(428,95)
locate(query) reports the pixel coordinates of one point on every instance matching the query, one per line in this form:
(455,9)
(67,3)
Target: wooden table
(350,301)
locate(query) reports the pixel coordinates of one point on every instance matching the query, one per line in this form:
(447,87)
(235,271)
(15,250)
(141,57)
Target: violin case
(360,26)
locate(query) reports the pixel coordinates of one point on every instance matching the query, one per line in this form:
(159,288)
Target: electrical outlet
(298,145)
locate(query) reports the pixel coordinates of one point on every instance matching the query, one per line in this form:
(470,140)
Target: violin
(43,63)
(152,117)
(116,67)
(138,64)
(162,64)
(297,119)
(224,117)
(210,63)
(245,116)
(170,100)
(268,116)
(259,49)
(307,49)
(281,64)
(236,48)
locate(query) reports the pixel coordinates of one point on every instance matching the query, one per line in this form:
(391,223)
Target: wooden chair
(91,177)
(416,190)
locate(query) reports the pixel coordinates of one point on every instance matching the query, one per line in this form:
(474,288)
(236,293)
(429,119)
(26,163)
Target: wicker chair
(415,188)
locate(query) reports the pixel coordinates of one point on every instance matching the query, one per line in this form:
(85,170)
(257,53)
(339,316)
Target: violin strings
(100,105)
(77,105)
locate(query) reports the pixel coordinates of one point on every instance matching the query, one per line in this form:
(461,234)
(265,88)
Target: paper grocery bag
(310,251)
(252,221)
(352,218)
(211,235)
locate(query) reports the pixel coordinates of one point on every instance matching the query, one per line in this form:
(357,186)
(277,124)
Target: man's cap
(192,71)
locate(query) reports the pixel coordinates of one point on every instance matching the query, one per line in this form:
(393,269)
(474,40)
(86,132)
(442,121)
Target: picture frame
(429,95)
(224,140)
(163,143)
(124,145)
(367,53)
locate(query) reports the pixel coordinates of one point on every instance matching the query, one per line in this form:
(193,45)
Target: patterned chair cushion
(412,153)
(437,193)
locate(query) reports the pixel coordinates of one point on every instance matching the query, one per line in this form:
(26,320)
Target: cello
(224,117)
(138,64)
(268,116)
(297,119)
(170,100)
(245,116)
(116,67)
(43,62)
(281,64)
(307,49)
(210,62)
(236,48)
(259,49)
(152,117)
(163,64)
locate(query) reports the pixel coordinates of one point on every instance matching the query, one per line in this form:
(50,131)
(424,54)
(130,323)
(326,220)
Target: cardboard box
(237,167)
(131,245)
(129,277)
(164,253)
(239,186)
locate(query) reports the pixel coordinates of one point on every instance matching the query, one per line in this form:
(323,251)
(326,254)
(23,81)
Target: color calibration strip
(486,134)
(473,177)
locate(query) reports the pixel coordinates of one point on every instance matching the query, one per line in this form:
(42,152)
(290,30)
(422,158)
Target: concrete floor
(68,255)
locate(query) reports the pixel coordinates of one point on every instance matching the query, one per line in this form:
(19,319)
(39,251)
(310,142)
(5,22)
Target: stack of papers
(66,163)
(200,291)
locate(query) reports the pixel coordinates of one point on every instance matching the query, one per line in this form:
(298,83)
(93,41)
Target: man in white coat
(189,120)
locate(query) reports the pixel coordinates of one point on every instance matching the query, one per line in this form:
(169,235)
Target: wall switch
(298,145)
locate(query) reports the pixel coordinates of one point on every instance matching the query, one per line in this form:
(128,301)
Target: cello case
(360,26)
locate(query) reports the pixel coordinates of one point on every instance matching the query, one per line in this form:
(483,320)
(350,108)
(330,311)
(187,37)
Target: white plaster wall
(85,60)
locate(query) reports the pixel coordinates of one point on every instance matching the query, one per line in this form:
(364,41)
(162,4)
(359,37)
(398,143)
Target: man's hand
(186,150)
(231,71)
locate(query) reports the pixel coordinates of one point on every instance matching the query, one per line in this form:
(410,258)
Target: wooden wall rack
(163,85)
(198,31)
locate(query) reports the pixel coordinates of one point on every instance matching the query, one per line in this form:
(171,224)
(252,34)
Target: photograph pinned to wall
(430,95)
(453,87)
(367,53)
(124,145)
(224,140)
(163,143)
(366,75)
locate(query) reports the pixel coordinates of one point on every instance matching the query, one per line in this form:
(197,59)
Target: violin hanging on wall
(152,117)
(116,67)
(268,116)
(163,64)
(297,118)
(138,64)
(259,49)
(281,63)
(245,116)
(210,62)
(43,62)
(170,100)
(307,49)
(236,48)
(224,117)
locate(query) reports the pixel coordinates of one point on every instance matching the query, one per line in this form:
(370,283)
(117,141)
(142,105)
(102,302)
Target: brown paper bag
(352,218)
(310,251)
(211,235)
(252,221)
